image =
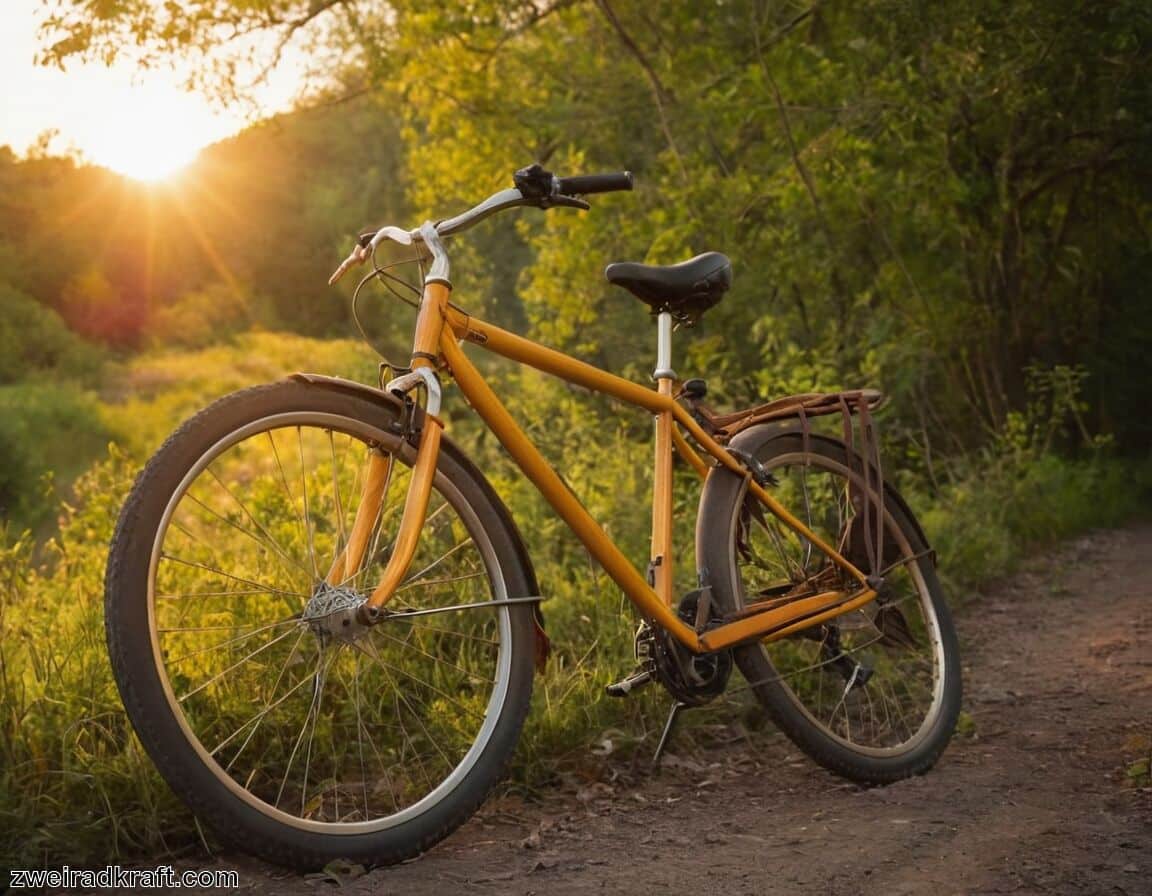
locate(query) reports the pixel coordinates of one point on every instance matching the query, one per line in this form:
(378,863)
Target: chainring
(693,679)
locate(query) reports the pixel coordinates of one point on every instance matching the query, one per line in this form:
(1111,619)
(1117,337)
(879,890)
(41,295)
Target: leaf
(339,872)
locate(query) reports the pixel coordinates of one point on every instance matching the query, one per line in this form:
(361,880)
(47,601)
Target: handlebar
(585,184)
(534,187)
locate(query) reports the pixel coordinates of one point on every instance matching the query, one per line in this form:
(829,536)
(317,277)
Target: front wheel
(874,694)
(291,729)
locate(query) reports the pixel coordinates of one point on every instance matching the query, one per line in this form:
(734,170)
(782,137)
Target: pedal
(636,680)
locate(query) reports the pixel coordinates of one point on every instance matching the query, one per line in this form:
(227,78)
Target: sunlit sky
(145,126)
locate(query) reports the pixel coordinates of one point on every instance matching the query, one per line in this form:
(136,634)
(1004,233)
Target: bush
(49,433)
(1018,493)
(205,317)
(34,339)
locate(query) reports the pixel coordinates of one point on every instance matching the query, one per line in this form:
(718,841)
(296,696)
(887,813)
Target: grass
(75,785)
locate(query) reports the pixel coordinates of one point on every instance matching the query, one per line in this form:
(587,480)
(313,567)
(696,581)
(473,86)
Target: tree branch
(660,93)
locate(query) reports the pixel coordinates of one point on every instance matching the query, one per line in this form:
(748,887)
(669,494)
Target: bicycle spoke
(405,643)
(342,538)
(446,581)
(320,682)
(365,734)
(372,653)
(772,528)
(284,479)
(235,665)
(317,686)
(263,713)
(408,740)
(236,640)
(808,522)
(270,542)
(427,734)
(402,617)
(412,580)
(307,518)
(239,592)
(360,732)
(213,569)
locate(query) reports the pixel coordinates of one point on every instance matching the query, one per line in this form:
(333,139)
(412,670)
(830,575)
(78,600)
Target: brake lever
(366,243)
(359,253)
(567,202)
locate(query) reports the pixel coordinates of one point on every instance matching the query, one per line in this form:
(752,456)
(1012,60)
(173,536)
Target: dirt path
(1058,666)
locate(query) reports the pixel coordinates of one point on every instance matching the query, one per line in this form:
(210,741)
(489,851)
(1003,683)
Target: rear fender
(780,429)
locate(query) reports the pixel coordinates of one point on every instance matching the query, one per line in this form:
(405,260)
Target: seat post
(664,369)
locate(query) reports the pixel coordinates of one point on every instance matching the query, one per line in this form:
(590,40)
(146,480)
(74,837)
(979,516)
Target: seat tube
(662,560)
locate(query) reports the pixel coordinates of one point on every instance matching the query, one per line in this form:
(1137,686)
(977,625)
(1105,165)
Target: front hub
(331,613)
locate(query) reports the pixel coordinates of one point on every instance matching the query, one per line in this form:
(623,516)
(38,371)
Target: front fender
(351,387)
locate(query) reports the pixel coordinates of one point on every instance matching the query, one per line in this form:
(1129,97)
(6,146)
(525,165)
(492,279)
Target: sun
(153,158)
(149,132)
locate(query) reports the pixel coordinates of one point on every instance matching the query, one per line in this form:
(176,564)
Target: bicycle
(321,671)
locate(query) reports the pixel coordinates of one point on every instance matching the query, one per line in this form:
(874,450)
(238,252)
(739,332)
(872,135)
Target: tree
(931,199)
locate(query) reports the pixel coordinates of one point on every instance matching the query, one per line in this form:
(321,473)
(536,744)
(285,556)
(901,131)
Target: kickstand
(668,726)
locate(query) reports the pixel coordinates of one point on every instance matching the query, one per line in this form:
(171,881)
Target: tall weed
(1018,493)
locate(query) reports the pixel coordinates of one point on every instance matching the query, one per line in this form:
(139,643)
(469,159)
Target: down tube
(488,406)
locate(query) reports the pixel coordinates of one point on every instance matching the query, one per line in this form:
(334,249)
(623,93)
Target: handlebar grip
(583,184)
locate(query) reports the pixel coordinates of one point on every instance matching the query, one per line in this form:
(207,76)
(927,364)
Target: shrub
(204,317)
(34,339)
(48,434)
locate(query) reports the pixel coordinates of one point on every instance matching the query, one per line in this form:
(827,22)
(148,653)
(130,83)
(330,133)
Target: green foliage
(1139,772)
(247,235)
(96,309)
(151,394)
(928,202)
(48,433)
(295,190)
(72,774)
(1017,493)
(34,341)
(202,318)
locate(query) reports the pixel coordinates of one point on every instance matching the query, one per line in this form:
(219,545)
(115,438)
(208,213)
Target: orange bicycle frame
(440,330)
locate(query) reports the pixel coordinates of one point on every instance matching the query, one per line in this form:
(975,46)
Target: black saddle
(685,290)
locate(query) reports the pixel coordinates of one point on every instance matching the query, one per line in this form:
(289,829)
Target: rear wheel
(873,694)
(295,731)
